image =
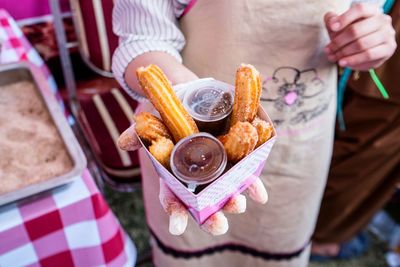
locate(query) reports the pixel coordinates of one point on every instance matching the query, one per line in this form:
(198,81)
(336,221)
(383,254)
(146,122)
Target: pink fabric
(189,7)
(64,226)
(14,237)
(15,47)
(49,237)
(30,8)
(91,30)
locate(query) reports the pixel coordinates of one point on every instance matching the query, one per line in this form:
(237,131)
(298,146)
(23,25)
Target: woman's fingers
(257,192)
(377,53)
(330,18)
(128,140)
(363,44)
(178,220)
(236,205)
(178,215)
(217,224)
(361,38)
(353,33)
(355,13)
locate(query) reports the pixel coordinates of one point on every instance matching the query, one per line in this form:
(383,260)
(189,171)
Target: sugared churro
(160,93)
(161,149)
(150,128)
(247,94)
(264,130)
(240,141)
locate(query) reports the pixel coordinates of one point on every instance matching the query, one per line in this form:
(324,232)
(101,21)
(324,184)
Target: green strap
(378,84)
(386,8)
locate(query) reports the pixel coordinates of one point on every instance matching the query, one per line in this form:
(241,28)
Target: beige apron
(284,39)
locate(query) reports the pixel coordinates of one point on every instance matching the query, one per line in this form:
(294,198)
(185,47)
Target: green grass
(128,207)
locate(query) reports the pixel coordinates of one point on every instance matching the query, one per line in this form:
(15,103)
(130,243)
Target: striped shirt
(144,26)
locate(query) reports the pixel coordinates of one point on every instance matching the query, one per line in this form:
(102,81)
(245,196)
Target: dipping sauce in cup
(198,159)
(210,107)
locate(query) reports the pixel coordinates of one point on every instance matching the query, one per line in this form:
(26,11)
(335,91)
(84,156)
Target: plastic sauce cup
(210,106)
(198,159)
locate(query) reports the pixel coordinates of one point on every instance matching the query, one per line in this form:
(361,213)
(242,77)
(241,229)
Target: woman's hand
(361,38)
(217,224)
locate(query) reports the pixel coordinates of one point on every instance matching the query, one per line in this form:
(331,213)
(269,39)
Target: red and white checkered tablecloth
(15,47)
(71,225)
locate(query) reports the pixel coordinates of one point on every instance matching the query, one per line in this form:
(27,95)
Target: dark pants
(366,160)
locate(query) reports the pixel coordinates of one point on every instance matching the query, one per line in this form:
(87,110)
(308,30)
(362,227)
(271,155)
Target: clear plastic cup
(210,106)
(198,159)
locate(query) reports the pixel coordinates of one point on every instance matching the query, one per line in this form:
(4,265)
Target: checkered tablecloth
(70,225)
(15,47)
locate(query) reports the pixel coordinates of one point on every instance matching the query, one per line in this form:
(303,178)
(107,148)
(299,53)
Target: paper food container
(239,177)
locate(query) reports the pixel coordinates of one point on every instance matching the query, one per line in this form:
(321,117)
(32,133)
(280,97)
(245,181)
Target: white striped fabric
(126,108)
(111,127)
(81,29)
(145,26)
(101,30)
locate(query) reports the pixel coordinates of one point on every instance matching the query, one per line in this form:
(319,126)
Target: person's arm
(148,34)
(175,71)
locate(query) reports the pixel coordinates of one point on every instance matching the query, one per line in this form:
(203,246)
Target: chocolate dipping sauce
(198,159)
(210,107)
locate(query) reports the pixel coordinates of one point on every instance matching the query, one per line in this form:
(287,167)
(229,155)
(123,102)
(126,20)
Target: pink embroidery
(267,80)
(290,98)
(189,7)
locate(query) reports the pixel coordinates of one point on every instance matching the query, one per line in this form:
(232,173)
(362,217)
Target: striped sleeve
(144,26)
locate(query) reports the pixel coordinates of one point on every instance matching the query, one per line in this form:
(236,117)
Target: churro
(160,93)
(240,141)
(161,149)
(247,94)
(264,130)
(150,128)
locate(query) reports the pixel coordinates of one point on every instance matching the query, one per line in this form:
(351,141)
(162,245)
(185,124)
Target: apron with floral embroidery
(284,40)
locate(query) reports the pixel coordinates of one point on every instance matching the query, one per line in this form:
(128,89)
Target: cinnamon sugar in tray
(31,149)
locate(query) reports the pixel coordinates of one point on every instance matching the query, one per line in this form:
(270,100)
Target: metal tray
(16,72)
